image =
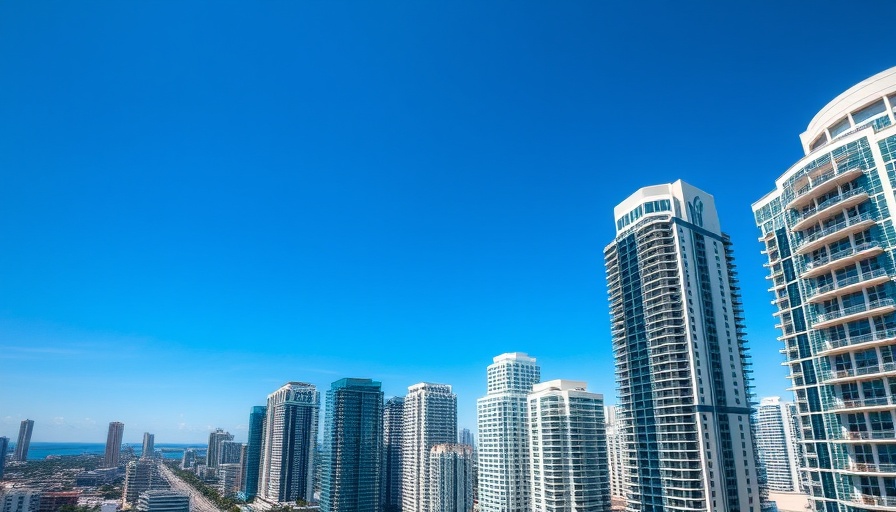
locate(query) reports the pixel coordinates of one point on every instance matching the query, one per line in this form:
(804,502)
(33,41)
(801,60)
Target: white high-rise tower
(567,448)
(682,367)
(777,446)
(430,418)
(503,434)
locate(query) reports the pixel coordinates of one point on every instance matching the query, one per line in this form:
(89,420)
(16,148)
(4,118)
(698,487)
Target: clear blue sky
(202,201)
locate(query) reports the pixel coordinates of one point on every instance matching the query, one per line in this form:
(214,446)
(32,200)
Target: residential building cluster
(685,434)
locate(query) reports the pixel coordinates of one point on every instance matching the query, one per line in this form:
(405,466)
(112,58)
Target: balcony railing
(859,372)
(843,224)
(824,260)
(869,435)
(881,401)
(877,501)
(864,338)
(829,202)
(858,308)
(843,283)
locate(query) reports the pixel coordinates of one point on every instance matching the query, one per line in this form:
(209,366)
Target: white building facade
(503,450)
(777,445)
(682,367)
(430,418)
(828,232)
(615,452)
(568,464)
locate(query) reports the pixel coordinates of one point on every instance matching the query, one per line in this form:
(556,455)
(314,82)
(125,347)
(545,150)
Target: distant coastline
(41,450)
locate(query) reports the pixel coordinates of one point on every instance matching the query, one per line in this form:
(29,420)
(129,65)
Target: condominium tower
(430,418)
(4,445)
(149,446)
(828,232)
(615,452)
(777,445)
(113,444)
(682,368)
(25,429)
(393,419)
(353,447)
(215,451)
(451,478)
(253,451)
(568,467)
(290,436)
(503,449)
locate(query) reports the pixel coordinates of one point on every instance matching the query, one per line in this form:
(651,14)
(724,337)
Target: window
(841,126)
(869,112)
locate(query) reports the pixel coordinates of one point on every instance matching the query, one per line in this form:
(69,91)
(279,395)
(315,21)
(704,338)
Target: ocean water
(39,451)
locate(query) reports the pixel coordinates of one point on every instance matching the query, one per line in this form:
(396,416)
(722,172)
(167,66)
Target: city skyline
(438,183)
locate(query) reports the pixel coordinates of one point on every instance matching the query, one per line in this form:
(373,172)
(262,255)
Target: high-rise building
(253,451)
(451,478)
(393,421)
(149,446)
(141,475)
(352,451)
(568,467)
(229,478)
(465,437)
(615,452)
(229,452)
(163,501)
(215,441)
(430,418)
(777,447)
(4,446)
(290,435)
(189,459)
(682,367)
(24,441)
(503,451)
(827,229)
(113,444)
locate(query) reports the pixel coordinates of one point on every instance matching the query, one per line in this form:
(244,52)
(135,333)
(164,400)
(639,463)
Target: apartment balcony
(849,285)
(860,467)
(822,184)
(863,341)
(874,435)
(883,402)
(856,312)
(840,259)
(830,206)
(848,226)
(863,372)
(868,500)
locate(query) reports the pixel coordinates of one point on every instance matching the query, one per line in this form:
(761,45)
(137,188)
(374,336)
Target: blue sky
(202,201)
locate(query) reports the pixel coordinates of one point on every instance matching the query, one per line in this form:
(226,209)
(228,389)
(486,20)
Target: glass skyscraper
(253,451)
(4,445)
(829,236)
(682,367)
(353,441)
(393,422)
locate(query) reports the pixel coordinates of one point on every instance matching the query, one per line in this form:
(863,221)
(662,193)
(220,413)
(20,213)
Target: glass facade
(253,451)
(829,238)
(353,441)
(391,469)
